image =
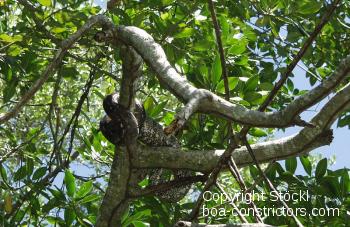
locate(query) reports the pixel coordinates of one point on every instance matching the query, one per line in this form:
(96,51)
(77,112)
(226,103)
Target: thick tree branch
(300,143)
(155,57)
(132,70)
(116,199)
(205,161)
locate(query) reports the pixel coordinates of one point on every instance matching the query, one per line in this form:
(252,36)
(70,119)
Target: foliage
(259,38)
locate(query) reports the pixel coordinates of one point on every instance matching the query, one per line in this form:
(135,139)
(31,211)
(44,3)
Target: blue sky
(339,147)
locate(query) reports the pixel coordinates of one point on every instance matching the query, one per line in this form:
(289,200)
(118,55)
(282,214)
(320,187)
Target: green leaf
(321,168)
(252,83)
(8,204)
(136,217)
(20,173)
(69,216)
(216,70)
(237,48)
(345,182)
(3,172)
(225,27)
(279,168)
(306,164)
(148,105)
(58,194)
(331,186)
(154,112)
(14,50)
(19,216)
(309,6)
(202,45)
(89,198)
(253,98)
(69,180)
(186,32)
(46,3)
(291,164)
(257,132)
(10,90)
(253,171)
(39,173)
(84,189)
(69,72)
(58,30)
(344,121)
(140,224)
(9,39)
(232,83)
(249,33)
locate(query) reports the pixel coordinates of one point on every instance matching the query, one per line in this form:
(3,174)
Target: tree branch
(51,68)
(325,18)
(116,199)
(154,56)
(204,161)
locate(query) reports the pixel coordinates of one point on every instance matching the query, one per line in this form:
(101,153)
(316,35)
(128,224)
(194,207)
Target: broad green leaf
(253,98)
(232,81)
(45,2)
(136,217)
(331,186)
(225,28)
(249,33)
(257,132)
(253,171)
(291,164)
(279,168)
(306,164)
(168,118)
(202,45)
(8,203)
(10,39)
(69,72)
(157,109)
(69,181)
(140,224)
(58,193)
(69,216)
(19,216)
(216,70)
(186,32)
(321,168)
(20,173)
(58,30)
(9,91)
(252,83)
(3,172)
(148,104)
(345,182)
(89,198)
(309,6)
(344,121)
(237,47)
(84,189)
(14,50)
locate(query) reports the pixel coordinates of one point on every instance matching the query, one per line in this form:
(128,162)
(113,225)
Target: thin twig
(269,183)
(240,215)
(326,17)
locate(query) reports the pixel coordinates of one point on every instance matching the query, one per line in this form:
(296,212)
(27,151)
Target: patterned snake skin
(150,133)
